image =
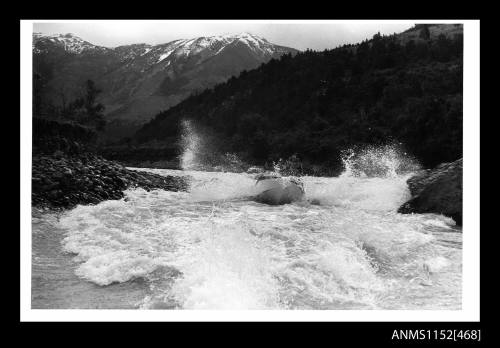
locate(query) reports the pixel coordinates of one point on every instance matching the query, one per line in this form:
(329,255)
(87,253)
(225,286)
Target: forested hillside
(404,88)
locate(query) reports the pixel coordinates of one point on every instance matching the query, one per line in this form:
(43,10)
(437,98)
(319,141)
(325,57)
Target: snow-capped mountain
(140,80)
(215,44)
(183,47)
(68,42)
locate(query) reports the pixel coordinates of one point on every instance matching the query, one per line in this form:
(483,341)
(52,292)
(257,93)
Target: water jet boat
(276,190)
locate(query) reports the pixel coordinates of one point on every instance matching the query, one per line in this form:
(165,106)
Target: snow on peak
(204,46)
(215,44)
(68,41)
(130,52)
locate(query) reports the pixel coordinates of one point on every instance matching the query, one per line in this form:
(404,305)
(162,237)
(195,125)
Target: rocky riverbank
(62,181)
(437,190)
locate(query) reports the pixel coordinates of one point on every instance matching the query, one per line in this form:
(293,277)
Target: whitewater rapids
(343,247)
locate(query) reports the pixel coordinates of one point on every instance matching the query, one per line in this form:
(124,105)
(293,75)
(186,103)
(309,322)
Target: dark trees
(316,104)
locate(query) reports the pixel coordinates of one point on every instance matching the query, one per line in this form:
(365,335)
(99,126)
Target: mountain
(404,88)
(138,81)
(66,42)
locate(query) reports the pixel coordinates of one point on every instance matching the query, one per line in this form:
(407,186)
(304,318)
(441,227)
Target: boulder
(437,191)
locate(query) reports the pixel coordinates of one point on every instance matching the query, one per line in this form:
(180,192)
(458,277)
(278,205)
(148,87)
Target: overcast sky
(313,35)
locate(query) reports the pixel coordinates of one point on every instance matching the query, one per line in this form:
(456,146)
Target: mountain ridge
(139,80)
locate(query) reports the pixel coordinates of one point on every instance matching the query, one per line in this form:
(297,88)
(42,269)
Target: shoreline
(62,181)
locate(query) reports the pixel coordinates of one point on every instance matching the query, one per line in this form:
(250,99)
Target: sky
(316,35)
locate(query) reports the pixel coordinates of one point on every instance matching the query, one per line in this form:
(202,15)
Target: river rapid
(343,247)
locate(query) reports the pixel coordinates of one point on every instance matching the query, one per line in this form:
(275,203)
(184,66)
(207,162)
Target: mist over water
(191,143)
(200,151)
(343,247)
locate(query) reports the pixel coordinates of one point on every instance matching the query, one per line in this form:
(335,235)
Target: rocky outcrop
(437,190)
(62,181)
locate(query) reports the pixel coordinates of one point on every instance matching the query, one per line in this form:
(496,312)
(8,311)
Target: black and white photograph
(251,166)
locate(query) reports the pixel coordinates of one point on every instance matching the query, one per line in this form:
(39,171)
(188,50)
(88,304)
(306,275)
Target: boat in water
(276,190)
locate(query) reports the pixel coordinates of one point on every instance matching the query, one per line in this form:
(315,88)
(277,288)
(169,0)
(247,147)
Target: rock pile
(61,181)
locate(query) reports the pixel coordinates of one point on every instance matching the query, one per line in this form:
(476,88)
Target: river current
(343,247)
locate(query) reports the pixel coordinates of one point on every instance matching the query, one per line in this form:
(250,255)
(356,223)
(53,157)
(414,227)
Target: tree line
(316,104)
(83,110)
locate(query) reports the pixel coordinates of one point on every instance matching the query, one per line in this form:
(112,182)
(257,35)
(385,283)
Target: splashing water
(191,143)
(383,161)
(343,247)
(200,152)
(289,167)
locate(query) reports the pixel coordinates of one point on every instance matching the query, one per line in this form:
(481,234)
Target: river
(343,247)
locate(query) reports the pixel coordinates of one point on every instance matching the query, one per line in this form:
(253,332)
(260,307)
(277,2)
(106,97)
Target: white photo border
(471,236)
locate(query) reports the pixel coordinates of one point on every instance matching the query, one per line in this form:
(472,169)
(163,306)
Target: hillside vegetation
(404,88)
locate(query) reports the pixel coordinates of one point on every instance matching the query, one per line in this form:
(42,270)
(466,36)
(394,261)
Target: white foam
(227,269)
(436,264)
(351,251)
